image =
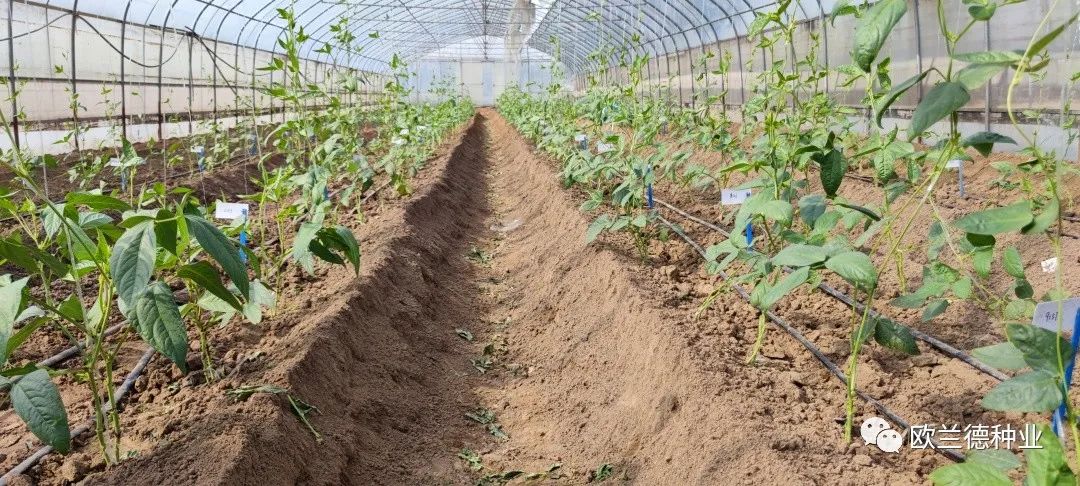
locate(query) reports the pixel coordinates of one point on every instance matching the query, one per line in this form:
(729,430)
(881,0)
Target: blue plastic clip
(648,190)
(243,239)
(1059,415)
(749,235)
(123,180)
(326,193)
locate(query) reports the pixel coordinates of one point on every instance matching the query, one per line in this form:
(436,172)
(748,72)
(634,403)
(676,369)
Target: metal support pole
(160,87)
(11,72)
(123,75)
(74,86)
(191,83)
(918,47)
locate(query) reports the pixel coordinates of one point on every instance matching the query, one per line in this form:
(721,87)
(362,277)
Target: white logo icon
(878,432)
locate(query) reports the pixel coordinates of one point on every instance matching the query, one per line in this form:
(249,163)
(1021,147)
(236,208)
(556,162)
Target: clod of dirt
(507,227)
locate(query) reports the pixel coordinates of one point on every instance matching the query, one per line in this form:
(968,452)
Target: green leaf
(1036,391)
(895,93)
(37,401)
(1012,262)
(221,249)
(980,241)
(1039,346)
(863,332)
(969,474)
(800,256)
(1022,289)
(934,309)
(97,201)
(999,459)
(11,301)
(981,260)
(1003,356)
(868,213)
(913,300)
(873,29)
(206,277)
(598,225)
(997,220)
(811,207)
(776,211)
(351,246)
(1047,464)
(982,12)
(984,141)
(301,250)
(28,258)
(895,336)
(158,321)
(941,101)
(855,267)
(1043,220)
(22,335)
(1019,310)
(937,240)
(962,288)
(261,297)
(1006,58)
(833,167)
(790,282)
(976,75)
(132,260)
(166,230)
(1044,41)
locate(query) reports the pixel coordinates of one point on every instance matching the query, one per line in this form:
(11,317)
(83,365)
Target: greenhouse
(516,242)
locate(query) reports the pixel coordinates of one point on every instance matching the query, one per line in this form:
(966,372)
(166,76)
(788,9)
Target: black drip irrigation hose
(121,393)
(832,367)
(943,347)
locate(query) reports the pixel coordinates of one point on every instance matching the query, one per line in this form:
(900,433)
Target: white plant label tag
(230,211)
(729,197)
(579,137)
(954,164)
(1046,315)
(603,148)
(1050,265)
(115,162)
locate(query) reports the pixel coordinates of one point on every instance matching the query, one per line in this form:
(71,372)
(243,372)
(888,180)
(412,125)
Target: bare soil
(478,295)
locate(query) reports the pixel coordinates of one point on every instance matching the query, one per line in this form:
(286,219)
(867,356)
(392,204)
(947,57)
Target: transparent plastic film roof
(476,29)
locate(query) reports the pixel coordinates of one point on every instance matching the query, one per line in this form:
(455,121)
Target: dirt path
(485,339)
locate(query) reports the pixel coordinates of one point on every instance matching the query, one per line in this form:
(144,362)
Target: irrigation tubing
(34,31)
(832,367)
(936,343)
(121,393)
(176,48)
